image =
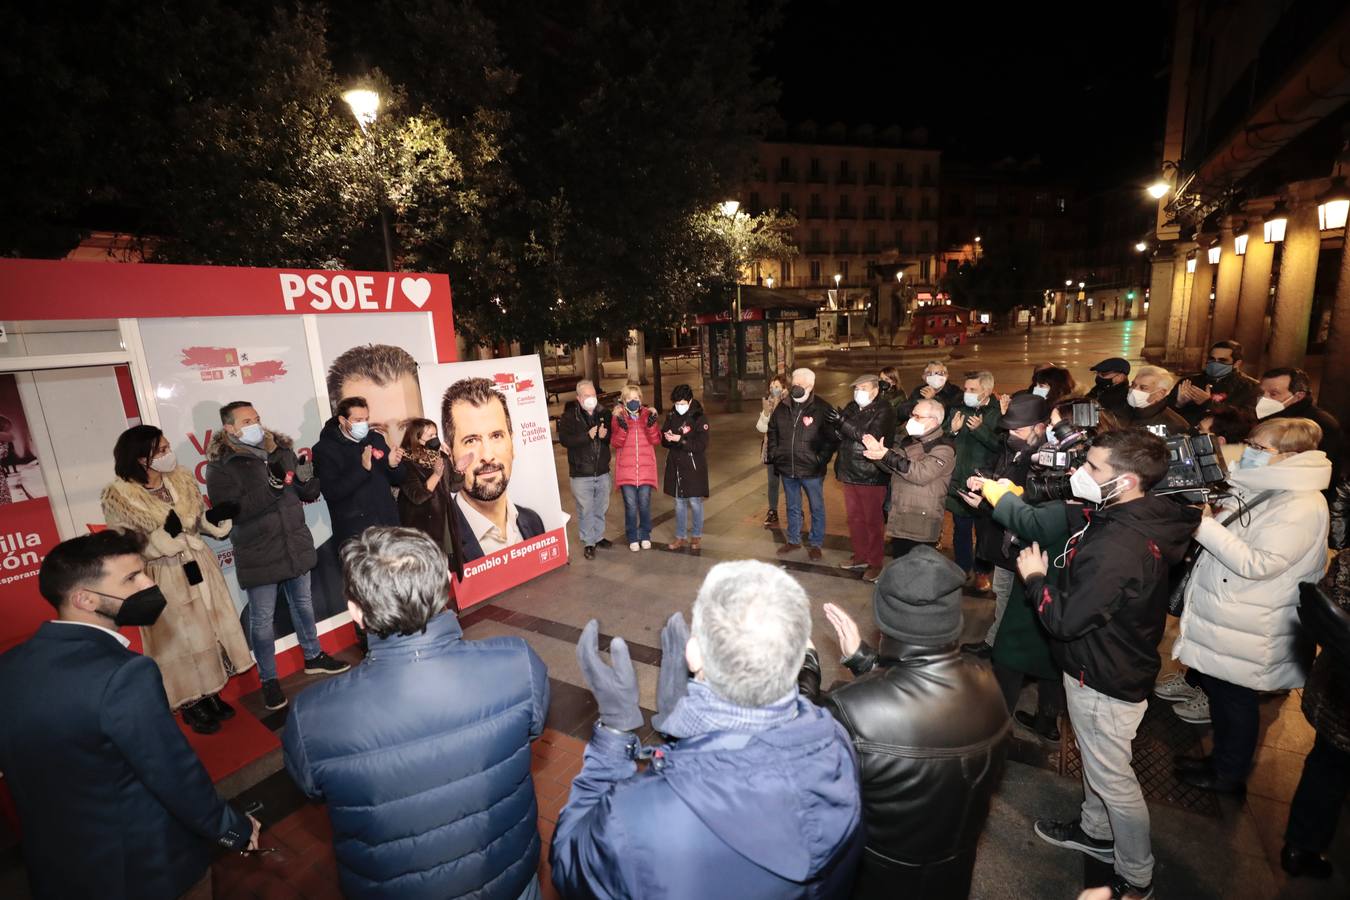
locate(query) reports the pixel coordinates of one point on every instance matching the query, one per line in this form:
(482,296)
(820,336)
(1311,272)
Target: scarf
(702,711)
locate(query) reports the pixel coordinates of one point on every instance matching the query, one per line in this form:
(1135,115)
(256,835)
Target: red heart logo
(378,454)
(684,430)
(807,420)
(1219,398)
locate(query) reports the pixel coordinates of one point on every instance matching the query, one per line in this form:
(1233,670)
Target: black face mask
(798,392)
(885,387)
(1104,383)
(434,444)
(1018,443)
(139,609)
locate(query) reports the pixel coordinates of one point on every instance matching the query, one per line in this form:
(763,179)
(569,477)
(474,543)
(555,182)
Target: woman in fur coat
(197,641)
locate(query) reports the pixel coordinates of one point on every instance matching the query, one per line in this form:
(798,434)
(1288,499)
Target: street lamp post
(365,105)
(730,209)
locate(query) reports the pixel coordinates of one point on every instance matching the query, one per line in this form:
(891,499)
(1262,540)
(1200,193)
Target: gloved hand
(621,421)
(993,491)
(222,511)
(614,686)
(651,418)
(280,463)
(673,681)
(304,467)
(172,524)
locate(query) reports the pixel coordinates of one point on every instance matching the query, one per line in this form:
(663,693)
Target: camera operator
(1024,426)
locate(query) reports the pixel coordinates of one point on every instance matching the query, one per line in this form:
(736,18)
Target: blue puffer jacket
(772,814)
(422,754)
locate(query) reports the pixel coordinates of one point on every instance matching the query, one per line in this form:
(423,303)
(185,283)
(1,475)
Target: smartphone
(193,572)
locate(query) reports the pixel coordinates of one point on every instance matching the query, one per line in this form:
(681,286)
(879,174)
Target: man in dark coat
(583,428)
(758,797)
(114,802)
(864,483)
(432,795)
(1287,394)
(800,444)
(1112,389)
(1107,620)
(1146,404)
(273,548)
(685,437)
(1220,384)
(929,726)
(358,471)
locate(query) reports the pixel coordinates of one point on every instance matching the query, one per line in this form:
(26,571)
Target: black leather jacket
(876,419)
(930,727)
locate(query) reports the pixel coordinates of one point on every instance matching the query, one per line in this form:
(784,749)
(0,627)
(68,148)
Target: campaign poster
(493,421)
(27,527)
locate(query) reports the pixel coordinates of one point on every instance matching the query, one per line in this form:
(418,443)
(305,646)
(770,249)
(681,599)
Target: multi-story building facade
(861,201)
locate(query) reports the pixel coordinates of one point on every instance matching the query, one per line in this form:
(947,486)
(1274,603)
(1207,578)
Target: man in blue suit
(112,800)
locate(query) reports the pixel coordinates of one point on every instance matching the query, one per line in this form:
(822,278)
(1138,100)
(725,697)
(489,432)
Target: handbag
(1181,572)
(1324,621)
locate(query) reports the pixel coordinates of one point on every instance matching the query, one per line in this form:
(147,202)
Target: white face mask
(1137,398)
(1041,390)
(589,404)
(936,382)
(164,464)
(972,400)
(251,434)
(915,428)
(359,430)
(1267,406)
(1085,488)
(862,398)
(681,408)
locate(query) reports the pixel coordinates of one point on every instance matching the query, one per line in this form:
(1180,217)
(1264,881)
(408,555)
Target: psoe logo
(352,292)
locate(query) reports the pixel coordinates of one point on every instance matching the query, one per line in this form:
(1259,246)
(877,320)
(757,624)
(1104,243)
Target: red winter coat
(634,444)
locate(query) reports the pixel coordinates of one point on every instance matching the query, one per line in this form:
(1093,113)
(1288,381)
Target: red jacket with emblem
(633,440)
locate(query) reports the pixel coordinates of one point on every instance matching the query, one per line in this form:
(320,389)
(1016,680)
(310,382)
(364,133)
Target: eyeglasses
(1262,448)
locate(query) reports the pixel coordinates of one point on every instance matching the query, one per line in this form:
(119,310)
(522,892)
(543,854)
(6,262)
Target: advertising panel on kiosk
(292,343)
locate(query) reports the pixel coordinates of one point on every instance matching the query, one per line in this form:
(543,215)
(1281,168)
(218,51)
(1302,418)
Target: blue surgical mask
(252,434)
(1217,370)
(681,408)
(633,405)
(360,430)
(1253,458)
(1041,390)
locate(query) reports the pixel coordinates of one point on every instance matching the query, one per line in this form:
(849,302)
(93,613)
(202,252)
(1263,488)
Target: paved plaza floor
(1204,848)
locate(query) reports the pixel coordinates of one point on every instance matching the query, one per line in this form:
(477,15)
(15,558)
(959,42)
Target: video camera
(1066,445)
(1195,465)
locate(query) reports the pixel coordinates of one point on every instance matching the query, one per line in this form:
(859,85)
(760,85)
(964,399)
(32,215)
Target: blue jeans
(773,487)
(262,605)
(963,541)
(1235,713)
(815,495)
(637,512)
(591,495)
(683,505)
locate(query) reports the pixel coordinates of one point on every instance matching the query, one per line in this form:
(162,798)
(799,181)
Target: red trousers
(866,529)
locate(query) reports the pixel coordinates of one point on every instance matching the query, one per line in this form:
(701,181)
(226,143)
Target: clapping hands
(873,449)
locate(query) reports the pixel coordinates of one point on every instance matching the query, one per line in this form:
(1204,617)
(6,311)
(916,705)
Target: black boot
(1304,863)
(199,718)
(1044,726)
(218,707)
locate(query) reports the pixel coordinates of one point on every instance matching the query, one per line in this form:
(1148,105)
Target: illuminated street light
(1240,244)
(900,276)
(1333,206)
(977,238)
(1158,189)
(1214,253)
(837,278)
(1068,282)
(1190,265)
(768,282)
(365,104)
(730,208)
(1141,247)
(1275,222)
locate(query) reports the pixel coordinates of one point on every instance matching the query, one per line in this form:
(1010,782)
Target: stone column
(1335,391)
(1294,294)
(635,357)
(1178,309)
(1161,275)
(1224,323)
(1253,298)
(1197,312)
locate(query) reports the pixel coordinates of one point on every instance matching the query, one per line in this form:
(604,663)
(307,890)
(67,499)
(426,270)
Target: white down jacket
(1240,621)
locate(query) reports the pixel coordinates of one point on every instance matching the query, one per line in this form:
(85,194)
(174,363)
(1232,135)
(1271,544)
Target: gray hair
(935,409)
(984,377)
(805,374)
(752,621)
(1165,378)
(585,383)
(398,578)
(935,364)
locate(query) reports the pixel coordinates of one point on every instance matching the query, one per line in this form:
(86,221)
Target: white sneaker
(646,545)
(635,547)
(1195,711)
(1174,688)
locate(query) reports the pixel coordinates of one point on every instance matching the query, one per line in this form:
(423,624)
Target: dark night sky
(1082,85)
